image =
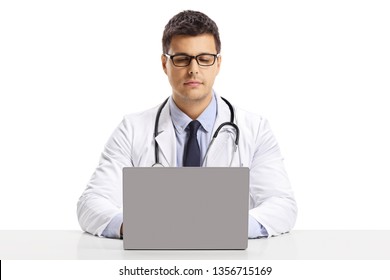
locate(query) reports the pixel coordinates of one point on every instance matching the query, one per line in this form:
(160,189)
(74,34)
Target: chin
(196,97)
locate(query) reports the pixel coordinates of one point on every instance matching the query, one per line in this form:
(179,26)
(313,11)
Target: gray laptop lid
(185,208)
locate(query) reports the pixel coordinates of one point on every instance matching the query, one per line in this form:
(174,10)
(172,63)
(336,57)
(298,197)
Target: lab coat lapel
(221,151)
(166,139)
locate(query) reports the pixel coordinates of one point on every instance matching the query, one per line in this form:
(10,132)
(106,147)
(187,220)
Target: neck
(192,107)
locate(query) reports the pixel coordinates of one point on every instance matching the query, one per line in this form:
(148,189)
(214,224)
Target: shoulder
(254,127)
(135,122)
(249,118)
(142,115)
(241,115)
(140,119)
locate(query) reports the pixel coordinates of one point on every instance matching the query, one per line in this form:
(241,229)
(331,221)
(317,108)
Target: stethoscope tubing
(156,155)
(230,123)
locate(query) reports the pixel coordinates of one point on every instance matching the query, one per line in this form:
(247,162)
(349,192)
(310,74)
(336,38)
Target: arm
(271,197)
(255,229)
(101,202)
(114,228)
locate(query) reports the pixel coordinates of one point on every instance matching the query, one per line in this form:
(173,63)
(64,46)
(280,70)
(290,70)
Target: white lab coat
(272,202)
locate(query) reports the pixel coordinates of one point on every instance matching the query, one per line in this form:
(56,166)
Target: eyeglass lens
(185,60)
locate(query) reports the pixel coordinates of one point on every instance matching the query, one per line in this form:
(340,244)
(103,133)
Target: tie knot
(193,127)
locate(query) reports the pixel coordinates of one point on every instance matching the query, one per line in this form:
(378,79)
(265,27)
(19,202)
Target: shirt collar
(181,120)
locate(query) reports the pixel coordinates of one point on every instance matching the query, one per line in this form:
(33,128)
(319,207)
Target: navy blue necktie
(192,151)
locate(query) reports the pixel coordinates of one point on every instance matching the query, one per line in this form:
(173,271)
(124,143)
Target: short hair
(190,23)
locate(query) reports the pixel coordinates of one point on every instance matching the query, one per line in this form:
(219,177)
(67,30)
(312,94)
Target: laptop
(185,208)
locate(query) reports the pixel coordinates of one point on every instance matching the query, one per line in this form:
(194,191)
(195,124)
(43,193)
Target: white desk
(297,245)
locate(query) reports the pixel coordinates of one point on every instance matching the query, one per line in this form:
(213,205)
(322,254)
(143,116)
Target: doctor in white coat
(191,60)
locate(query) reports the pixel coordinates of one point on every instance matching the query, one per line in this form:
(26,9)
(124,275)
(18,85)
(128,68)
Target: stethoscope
(229,123)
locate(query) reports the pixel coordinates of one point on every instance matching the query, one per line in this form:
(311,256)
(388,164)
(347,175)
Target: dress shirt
(180,121)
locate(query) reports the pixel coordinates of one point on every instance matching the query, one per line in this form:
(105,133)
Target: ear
(218,62)
(164,61)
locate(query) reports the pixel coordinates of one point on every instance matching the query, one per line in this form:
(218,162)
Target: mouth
(193,83)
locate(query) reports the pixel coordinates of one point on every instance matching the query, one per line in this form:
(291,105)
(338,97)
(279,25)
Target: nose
(193,68)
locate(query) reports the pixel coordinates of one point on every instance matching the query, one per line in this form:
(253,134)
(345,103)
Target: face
(192,83)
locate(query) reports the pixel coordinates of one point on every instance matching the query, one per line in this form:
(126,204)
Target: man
(191,60)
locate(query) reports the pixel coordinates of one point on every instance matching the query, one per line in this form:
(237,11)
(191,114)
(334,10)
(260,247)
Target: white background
(281,270)
(318,70)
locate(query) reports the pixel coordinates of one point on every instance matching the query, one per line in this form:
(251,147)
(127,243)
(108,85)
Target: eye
(181,59)
(206,59)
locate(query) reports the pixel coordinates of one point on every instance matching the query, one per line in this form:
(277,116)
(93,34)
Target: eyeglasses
(183,60)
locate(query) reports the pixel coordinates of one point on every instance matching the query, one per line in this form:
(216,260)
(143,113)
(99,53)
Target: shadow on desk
(92,247)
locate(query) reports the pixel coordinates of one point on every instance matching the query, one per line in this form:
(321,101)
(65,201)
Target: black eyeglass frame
(191,58)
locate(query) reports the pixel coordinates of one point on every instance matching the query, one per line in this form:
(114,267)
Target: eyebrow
(180,53)
(183,53)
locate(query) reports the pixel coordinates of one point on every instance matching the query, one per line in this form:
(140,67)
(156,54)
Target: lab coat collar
(166,139)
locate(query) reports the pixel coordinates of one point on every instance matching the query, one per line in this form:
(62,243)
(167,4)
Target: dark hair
(190,23)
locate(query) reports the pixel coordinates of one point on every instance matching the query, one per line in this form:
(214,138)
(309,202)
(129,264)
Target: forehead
(193,45)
